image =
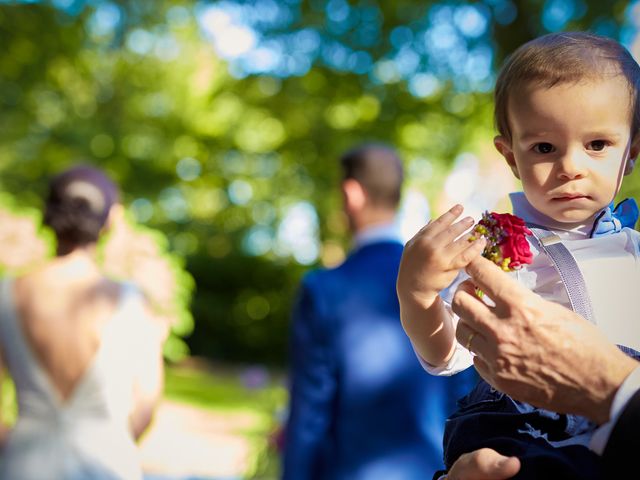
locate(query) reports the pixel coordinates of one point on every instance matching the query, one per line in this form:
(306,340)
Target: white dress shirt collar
(384,232)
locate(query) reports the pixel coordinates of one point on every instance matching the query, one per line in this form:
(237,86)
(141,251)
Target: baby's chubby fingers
(453,231)
(464,250)
(443,231)
(425,267)
(441,223)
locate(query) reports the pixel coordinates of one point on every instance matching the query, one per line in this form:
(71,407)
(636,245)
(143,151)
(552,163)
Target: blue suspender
(567,267)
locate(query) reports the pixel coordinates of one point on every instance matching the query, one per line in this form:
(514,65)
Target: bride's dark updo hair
(78,205)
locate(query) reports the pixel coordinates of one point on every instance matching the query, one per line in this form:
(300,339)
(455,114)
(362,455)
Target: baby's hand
(433,257)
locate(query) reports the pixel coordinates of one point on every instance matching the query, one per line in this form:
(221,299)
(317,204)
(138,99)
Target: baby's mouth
(570,197)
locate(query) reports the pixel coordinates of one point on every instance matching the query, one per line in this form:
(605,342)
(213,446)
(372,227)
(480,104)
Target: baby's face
(569,145)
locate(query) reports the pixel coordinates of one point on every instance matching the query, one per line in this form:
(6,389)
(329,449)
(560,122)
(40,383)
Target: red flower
(507,245)
(511,224)
(516,247)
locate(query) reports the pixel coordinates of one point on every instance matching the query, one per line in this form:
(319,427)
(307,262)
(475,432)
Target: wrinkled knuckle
(526,314)
(501,364)
(500,336)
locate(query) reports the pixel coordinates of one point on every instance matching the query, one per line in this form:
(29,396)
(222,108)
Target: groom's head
(371,184)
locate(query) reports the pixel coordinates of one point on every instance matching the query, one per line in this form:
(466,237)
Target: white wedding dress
(87,435)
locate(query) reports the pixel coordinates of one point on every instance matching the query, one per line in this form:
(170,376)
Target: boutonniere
(507,244)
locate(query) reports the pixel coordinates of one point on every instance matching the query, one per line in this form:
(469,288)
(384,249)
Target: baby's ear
(628,168)
(634,150)
(504,147)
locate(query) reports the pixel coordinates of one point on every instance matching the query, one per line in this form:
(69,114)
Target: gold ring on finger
(469,340)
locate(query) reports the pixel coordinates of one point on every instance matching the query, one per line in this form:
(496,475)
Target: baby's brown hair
(568,57)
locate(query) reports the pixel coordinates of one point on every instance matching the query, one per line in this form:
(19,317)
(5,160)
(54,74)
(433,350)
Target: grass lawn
(252,392)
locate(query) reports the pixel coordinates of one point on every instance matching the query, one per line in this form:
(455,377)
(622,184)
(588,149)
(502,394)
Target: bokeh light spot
(188,169)
(240,192)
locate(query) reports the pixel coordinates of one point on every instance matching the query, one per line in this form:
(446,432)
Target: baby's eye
(543,148)
(597,145)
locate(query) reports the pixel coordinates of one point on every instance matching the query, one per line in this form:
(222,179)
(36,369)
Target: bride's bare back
(62,309)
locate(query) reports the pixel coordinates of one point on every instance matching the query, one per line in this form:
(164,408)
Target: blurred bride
(83,350)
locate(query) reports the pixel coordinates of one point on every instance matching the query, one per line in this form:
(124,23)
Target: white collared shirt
(384,232)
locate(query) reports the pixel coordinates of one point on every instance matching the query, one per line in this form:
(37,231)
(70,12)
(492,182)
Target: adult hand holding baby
(535,350)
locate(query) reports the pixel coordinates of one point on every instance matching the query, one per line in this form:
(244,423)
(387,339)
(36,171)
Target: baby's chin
(574,215)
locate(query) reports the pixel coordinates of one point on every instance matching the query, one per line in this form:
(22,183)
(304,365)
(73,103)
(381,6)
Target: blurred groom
(361,406)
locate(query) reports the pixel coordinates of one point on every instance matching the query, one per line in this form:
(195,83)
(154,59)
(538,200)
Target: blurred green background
(222,122)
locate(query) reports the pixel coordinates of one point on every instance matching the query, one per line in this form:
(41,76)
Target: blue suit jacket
(361,405)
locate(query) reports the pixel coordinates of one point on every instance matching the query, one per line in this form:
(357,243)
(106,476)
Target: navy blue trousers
(547,443)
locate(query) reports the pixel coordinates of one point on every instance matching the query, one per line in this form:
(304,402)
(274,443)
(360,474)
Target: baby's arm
(430,262)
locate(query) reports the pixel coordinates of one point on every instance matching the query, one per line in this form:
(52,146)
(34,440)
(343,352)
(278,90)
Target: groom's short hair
(378,168)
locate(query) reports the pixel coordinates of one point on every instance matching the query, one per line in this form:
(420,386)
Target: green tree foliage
(216,144)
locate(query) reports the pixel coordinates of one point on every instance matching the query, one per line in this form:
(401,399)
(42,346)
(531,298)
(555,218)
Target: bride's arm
(149,375)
